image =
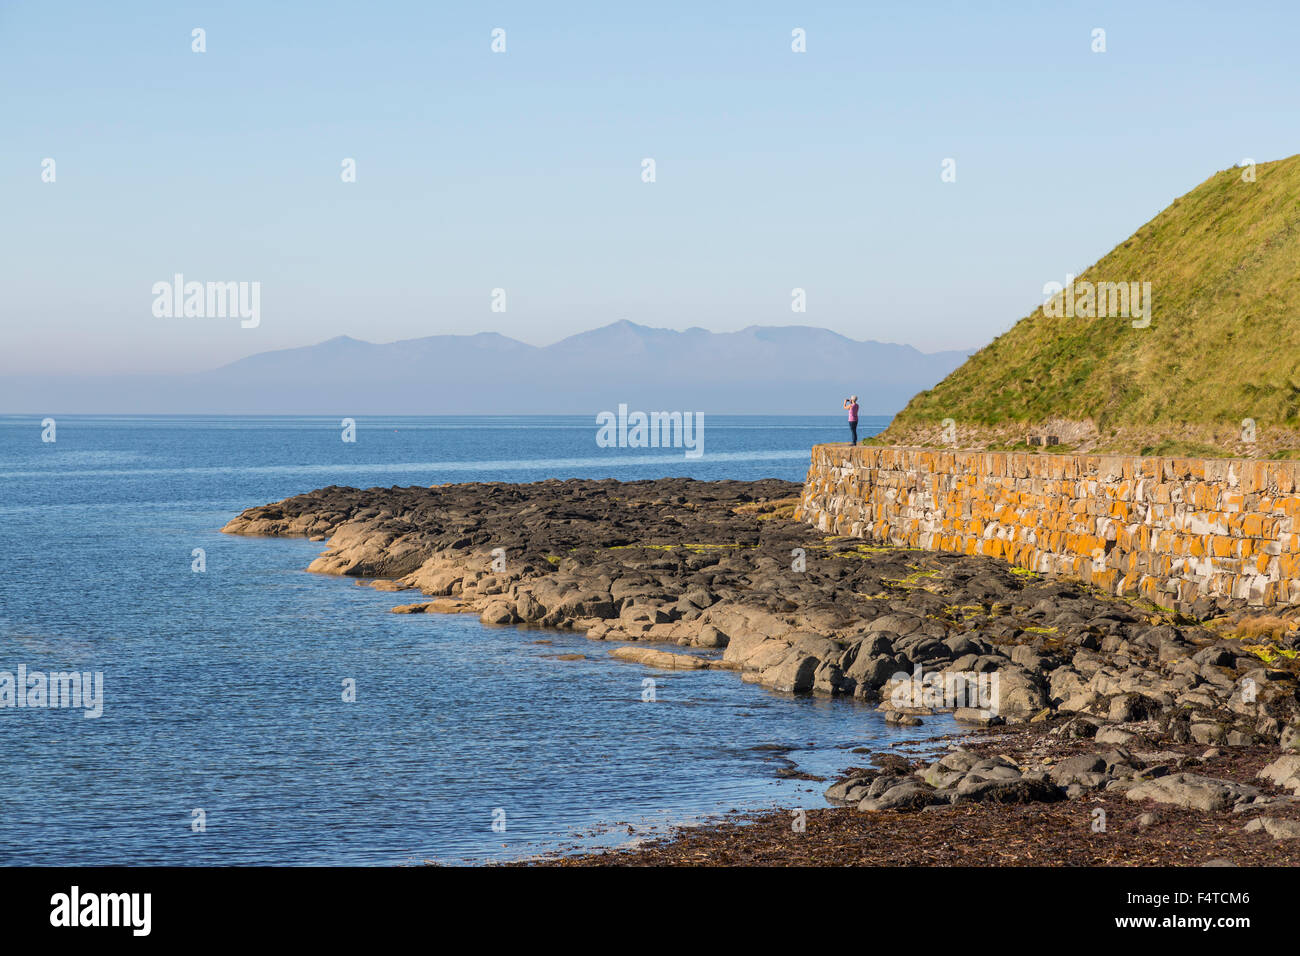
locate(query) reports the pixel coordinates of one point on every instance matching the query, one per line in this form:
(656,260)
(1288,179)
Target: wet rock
(794,673)
(829,679)
(657,658)
(528,608)
(870,673)
(900,719)
(850,790)
(498,612)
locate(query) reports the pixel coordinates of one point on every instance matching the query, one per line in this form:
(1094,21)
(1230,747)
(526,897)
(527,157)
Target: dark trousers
(853,428)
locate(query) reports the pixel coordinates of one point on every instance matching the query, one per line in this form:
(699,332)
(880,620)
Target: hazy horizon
(761,369)
(547,344)
(522,170)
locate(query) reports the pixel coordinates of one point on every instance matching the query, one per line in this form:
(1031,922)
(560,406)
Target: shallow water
(223,690)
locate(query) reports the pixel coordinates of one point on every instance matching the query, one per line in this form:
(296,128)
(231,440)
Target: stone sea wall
(1188,534)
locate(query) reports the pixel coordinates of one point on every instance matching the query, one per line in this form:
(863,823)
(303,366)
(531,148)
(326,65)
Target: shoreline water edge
(1155,736)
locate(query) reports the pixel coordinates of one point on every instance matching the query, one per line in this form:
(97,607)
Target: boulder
(1020,693)
(981,718)
(1193,791)
(1115,736)
(1070,769)
(1275,827)
(1021,789)
(710,636)
(794,674)
(911,795)
(850,790)
(498,612)
(1284,772)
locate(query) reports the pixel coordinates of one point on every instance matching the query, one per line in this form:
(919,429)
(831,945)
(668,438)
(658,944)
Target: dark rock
(1070,769)
(908,795)
(1020,790)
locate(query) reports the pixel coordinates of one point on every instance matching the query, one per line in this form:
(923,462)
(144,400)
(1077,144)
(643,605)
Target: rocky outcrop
(715,567)
(1110,695)
(1043,769)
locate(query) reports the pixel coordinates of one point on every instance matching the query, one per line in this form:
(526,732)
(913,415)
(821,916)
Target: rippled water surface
(223,690)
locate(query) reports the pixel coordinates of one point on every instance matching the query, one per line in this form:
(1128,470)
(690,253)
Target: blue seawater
(224,737)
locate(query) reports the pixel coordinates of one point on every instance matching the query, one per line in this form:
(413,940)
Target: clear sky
(522,170)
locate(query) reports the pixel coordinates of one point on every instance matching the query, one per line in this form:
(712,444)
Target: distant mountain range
(760,369)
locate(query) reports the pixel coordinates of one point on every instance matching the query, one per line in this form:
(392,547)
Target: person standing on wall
(851,404)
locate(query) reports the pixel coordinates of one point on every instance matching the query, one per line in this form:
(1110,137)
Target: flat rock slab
(654,658)
(1194,791)
(1276,828)
(441,606)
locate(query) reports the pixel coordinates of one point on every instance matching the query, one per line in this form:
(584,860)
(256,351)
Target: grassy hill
(1223,344)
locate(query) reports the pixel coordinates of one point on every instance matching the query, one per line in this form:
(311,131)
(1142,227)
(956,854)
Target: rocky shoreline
(1098,699)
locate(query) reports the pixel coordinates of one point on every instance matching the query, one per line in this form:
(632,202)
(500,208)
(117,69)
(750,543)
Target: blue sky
(522,170)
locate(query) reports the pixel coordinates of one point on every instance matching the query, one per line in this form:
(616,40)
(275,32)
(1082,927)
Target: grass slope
(1223,344)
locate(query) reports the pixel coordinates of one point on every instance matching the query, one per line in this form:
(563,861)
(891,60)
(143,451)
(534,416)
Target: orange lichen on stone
(1172,529)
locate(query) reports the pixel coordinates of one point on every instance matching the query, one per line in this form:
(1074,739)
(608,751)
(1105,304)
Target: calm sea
(224,737)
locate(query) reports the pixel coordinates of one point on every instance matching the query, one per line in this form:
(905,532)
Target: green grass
(1223,344)
(1173,448)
